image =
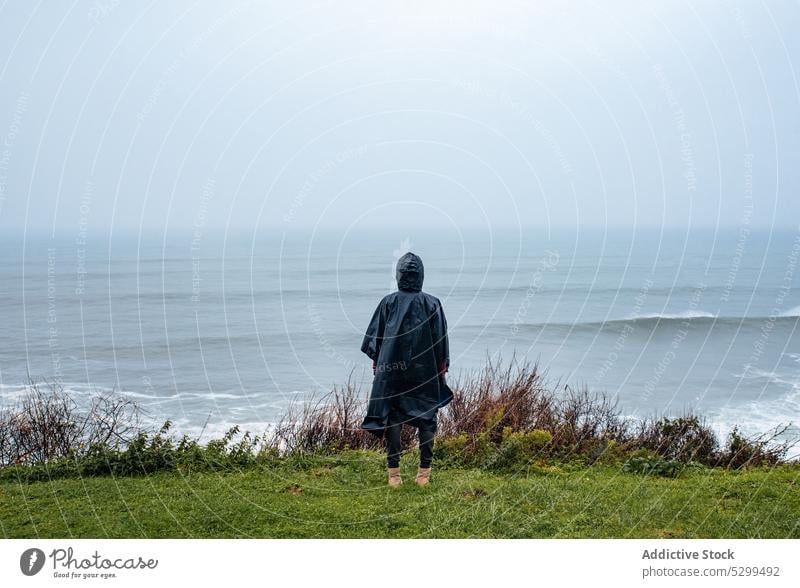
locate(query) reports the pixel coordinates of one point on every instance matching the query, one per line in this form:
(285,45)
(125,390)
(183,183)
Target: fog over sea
(212,329)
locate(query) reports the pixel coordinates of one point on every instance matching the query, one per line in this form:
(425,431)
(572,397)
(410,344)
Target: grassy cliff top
(345,495)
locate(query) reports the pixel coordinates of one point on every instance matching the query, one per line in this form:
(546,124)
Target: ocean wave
(771,377)
(687,314)
(795,357)
(8,390)
(12,393)
(216,429)
(665,320)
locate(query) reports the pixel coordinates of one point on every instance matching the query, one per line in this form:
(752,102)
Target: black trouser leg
(393,445)
(426,435)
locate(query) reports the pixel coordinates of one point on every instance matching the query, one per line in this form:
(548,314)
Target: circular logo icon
(31,561)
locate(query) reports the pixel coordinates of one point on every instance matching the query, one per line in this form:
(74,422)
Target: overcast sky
(347,114)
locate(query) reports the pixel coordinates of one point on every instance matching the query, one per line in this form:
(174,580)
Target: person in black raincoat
(407,342)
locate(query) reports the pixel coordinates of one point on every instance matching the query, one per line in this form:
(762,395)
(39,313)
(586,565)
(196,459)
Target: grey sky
(348,114)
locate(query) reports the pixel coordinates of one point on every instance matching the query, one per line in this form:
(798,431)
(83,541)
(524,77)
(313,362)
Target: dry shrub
(517,397)
(757,450)
(685,438)
(48,424)
(584,417)
(514,396)
(331,423)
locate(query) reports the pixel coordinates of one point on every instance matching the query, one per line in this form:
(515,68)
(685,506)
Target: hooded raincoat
(407,342)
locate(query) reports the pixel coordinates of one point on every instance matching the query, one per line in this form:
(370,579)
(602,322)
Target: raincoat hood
(410,273)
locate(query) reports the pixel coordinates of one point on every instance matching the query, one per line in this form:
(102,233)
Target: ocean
(211,328)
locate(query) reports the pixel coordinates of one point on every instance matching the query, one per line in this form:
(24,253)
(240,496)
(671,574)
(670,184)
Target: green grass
(345,495)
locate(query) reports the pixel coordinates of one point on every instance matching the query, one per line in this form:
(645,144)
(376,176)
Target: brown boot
(423,474)
(394,477)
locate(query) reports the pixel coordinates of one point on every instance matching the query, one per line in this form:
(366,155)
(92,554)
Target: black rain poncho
(407,341)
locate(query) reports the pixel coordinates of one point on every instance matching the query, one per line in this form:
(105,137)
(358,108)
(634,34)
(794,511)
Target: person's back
(407,341)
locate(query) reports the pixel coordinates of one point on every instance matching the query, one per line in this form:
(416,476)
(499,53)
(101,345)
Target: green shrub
(147,454)
(510,452)
(685,439)
(451,450)
(491,423)
(610,452)
(514,450)
(482,450)
(536,441)
(649,463)
(740,452)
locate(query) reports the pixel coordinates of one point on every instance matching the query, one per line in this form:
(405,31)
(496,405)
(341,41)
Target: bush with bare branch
(517,397)
(47,424)
(329,423)
(762,449)
(512,396)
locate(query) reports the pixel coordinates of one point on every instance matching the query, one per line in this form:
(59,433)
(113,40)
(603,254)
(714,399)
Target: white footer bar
(402,562)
